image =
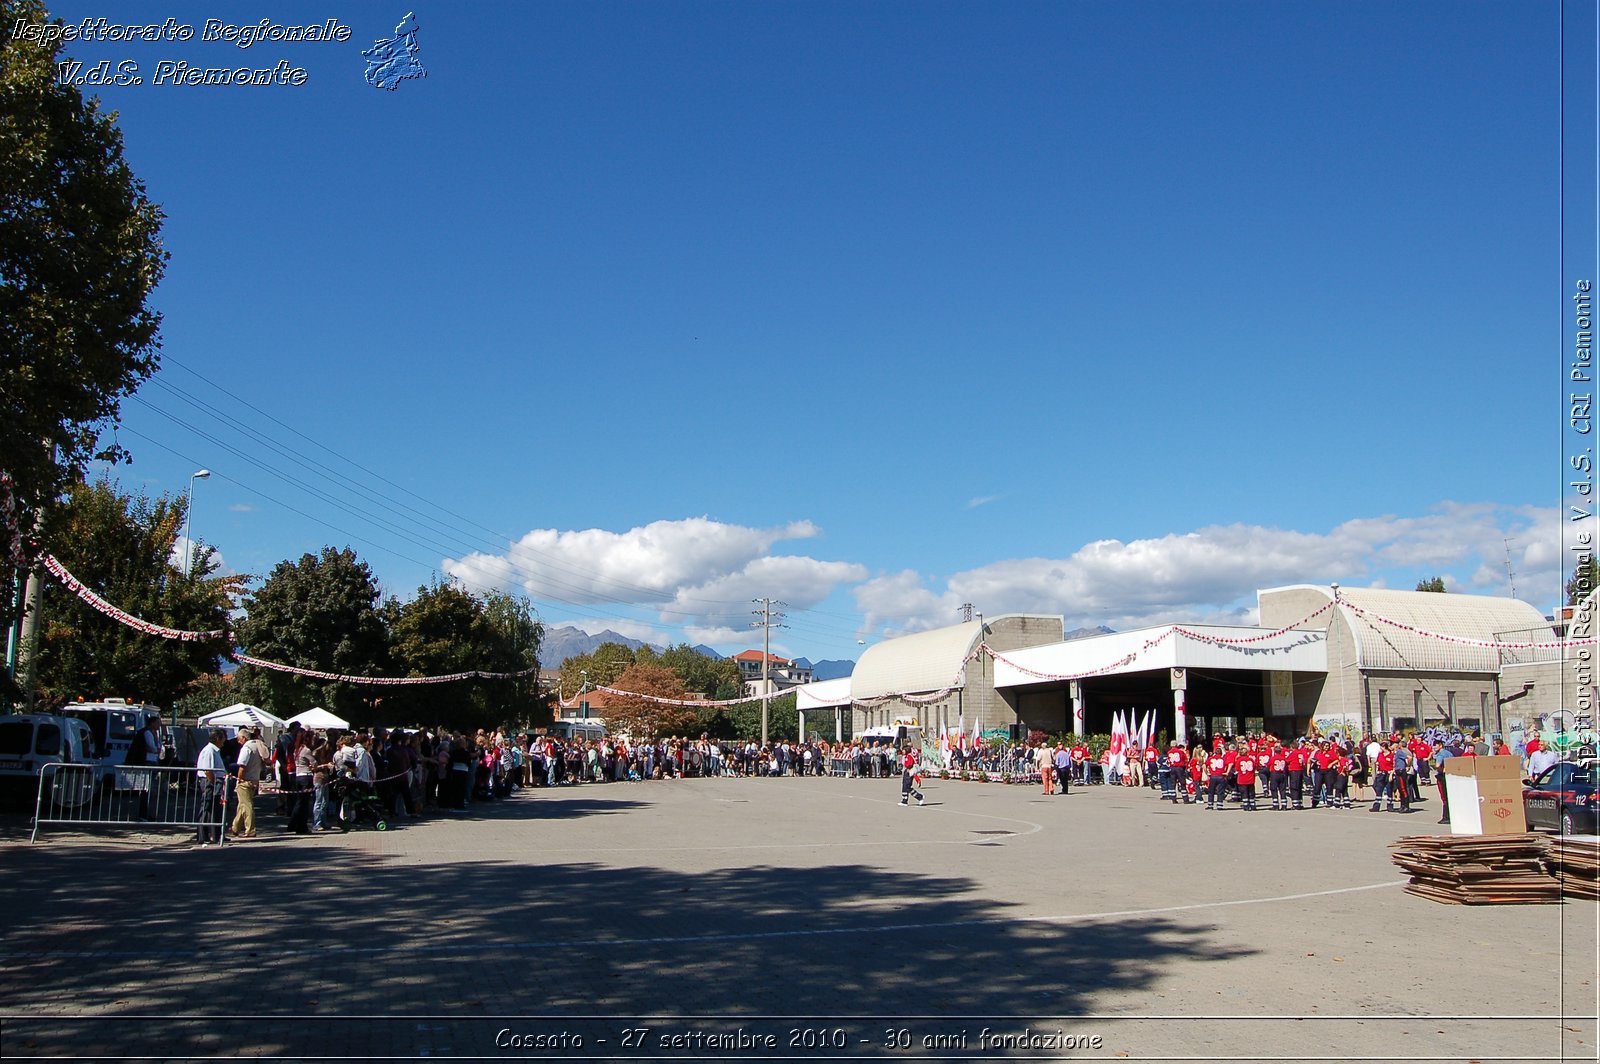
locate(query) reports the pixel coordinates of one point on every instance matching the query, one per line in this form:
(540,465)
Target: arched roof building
(1400,659)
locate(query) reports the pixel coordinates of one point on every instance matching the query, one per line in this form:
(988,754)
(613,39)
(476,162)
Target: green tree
(602,666)
(517,635)
(1435,584)
(711,677)
(1585,578)
(442,630)
(121,547)
(80,254)
(318,613)
(783,719)
(447,630)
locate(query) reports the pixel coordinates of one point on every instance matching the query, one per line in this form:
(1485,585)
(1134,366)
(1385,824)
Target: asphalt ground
(793,919)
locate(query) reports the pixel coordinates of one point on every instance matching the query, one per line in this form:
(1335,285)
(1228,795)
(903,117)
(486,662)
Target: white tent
(317,717)
(240,715)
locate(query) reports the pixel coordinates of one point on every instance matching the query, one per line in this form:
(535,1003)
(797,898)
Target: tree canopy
(80,254)
(318,613)
(122,547)
(643,718)
(712,677)
(1435,584)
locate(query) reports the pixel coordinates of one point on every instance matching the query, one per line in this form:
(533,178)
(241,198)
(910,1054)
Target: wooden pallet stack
(1477,869)
(1575,864)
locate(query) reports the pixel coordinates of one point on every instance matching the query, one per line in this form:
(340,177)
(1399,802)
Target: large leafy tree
(517,635)
(447,630)
(122,547)
(1435,584)
(318,613)
(600,667)
(715,678)
(80,254)
(643,718)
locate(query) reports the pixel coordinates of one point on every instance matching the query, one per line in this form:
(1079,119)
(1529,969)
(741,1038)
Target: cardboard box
(1485,795)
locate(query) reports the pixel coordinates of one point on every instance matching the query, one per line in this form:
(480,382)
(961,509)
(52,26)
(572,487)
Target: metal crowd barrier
(94,796)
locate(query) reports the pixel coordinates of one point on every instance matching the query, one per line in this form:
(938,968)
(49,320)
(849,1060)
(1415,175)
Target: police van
(29,741)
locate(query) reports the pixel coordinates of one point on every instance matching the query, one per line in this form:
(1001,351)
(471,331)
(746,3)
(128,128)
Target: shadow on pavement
(324,933)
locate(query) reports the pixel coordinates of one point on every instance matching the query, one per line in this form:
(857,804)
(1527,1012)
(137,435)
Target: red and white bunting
(1205,637)
(380,681)
(76,586)
(1486,644)
(676,701)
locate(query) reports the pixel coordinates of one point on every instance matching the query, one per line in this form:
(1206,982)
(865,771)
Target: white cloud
(178,559)
(981,500)
(648,564)
(697,573)
(1212,574)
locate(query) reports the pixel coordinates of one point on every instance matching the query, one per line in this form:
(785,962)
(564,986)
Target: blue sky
(1113,310)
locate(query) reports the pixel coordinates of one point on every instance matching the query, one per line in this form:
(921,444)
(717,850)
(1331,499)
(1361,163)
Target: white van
(896,735)
(113,722)
(30,741)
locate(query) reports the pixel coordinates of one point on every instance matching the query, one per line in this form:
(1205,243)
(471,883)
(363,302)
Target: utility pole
(1511,577)
(769,620)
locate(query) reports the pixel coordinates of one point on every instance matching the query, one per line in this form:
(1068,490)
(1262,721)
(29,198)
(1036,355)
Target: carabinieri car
(1562,798)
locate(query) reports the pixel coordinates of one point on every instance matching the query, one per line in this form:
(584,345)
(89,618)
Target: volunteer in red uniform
(1298,758)
(1322,763)
(1278,777)
(1244,772)
(1339,797)
(1197,770)
(1383,778)
(1152,773)
(1216,779)
(1178,764)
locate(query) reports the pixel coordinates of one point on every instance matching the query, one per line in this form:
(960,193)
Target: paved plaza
(784,919)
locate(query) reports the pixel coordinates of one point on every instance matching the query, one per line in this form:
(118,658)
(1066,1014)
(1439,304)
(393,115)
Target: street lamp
(188,522)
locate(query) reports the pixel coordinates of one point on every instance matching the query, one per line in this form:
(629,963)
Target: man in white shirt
(1541,760)
(253,757)
(213,776)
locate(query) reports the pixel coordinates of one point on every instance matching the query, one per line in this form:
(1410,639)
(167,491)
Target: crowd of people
(1334,772)
(321,777)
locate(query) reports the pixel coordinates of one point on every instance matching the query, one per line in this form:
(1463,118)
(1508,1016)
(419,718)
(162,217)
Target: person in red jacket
(1216,779)
(1298,758)
(1339,797)
(1152,757)
(1244,772)
(1322,762)
(1383,778)
(1278,777)
(1178,769)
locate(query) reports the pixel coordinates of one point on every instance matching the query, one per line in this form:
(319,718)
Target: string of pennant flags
(139,624)
(121,616)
